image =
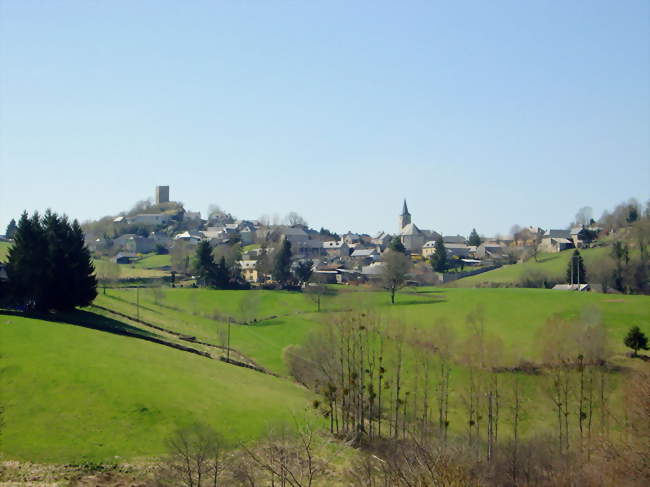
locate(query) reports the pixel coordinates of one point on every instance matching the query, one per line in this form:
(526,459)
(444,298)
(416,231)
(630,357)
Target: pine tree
(11,229)
(205,267)
(439,260)
(575,272)
(636,340)
(49,266)
(303,271)
(396,245)
(282,264)
(222,274)
(474,239)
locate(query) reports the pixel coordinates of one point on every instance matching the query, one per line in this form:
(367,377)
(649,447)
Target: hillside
(284,318)
(552,266)
(73,394)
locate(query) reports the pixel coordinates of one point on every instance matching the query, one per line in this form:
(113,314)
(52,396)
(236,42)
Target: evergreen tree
(396,245)
(262,264)
(205,268)
(303,271)
(439,260)
(474,239)
(282,264)
(575,272)
(11,229)
(636,340)
(222,274)
(49,266)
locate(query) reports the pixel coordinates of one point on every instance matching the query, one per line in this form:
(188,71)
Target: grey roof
(294,231)
(333,244)
(458,239)
(364,253)
(411,229)
(558,234)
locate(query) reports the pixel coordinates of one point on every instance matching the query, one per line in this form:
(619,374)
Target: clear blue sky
(482,114)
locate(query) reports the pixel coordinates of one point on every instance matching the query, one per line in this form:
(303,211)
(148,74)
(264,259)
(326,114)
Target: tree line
(48,266)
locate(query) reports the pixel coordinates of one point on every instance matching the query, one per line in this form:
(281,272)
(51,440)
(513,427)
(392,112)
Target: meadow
(76,394)
(551,265)
(73,394)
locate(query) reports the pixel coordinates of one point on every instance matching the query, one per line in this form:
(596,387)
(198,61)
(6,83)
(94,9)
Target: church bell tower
(405,217)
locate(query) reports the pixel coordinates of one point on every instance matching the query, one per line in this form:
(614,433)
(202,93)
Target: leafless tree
(195,458)
(395,270)
(108,273)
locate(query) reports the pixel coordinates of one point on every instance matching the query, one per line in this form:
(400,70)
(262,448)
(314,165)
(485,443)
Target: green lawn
(72,394)
(551,265)
(4,250)
(515,315)
(133,271)
(153,261)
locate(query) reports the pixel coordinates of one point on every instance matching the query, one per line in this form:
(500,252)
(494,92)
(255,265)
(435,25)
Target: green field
(72,394)
(553,266)
(153,261)
(133,271)
(515,315)
(4,250)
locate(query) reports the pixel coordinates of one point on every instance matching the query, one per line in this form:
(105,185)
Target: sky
(480,114)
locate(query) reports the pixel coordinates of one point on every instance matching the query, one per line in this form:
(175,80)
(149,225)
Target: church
(411,236)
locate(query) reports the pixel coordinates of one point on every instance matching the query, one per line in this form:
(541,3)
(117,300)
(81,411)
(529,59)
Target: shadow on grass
(85,319)
(132,303)
(411,302)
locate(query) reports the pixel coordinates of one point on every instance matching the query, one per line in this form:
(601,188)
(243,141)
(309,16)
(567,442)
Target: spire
(405,210)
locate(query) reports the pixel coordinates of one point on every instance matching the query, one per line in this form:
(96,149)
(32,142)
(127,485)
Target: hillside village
(165,227)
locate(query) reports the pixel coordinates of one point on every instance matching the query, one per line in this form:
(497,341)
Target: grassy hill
(71,391)
(72,394)
(552,266)
(513,314)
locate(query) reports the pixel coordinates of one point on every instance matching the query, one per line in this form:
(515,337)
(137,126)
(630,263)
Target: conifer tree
(222,274)
(474,239)
(205,267)
(282,264)
(575,272)
(439,260)
(11,229)
(636,340)
(396,245)
(49,266)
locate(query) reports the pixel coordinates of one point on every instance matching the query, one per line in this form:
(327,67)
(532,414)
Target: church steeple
(405,210)
(405,217)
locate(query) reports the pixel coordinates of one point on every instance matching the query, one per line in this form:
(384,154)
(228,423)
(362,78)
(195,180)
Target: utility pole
(228,348)
(137,301)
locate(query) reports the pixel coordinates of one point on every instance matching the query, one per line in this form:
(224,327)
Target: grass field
(153,261)
(133,271)
(73,394)
(551,265)
(515,315)
(4,250)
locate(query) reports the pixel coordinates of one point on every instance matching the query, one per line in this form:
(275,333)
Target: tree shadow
(85,319)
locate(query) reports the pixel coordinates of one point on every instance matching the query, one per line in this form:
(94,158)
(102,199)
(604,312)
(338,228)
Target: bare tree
(195,458)
(395,270)
(584,216)
(108,273)
(294,219)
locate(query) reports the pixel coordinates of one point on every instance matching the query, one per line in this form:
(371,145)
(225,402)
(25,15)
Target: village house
(453,239)
(249,271)
(334,249)
(490,251)
(556,241)
(362,257)
(382,239)
(140,245)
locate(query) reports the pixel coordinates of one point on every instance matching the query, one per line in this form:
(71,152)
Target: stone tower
(162,194)
(405,217)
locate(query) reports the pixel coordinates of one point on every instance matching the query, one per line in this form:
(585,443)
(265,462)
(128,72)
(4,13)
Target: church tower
(405,217)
